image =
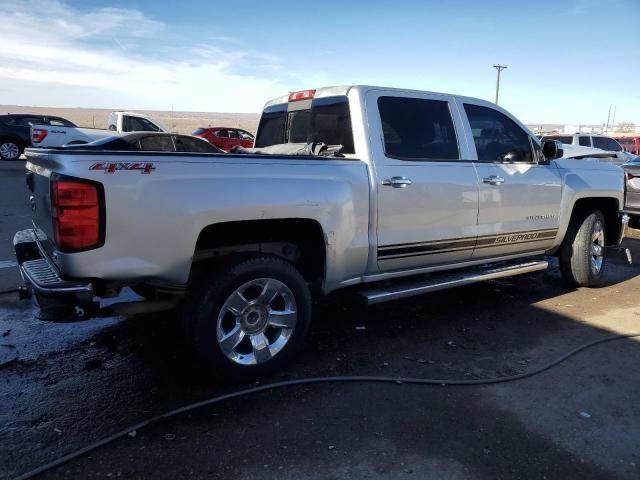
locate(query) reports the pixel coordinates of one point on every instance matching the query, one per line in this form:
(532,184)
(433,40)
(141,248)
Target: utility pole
(606,129)
(613,119)
(499,68)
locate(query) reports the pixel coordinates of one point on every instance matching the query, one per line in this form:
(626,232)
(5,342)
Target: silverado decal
(518,237)
(112,167)
(387,252)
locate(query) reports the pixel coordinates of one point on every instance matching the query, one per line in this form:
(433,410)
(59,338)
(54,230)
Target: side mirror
(552,149)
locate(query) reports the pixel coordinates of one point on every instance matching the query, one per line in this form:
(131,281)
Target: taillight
(38,134)
(302,95)
(78,214)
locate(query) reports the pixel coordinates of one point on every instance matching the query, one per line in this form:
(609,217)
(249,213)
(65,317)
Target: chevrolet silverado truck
(47,136)
(427,191)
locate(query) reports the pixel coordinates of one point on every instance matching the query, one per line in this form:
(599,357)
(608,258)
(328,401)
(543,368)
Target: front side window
(157,143)
(139,124)
(566,139)
(418,129)
(601,143)
(245,135)
(496,136)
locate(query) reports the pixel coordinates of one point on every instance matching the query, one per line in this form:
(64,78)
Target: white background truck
(47,136)
(432,191)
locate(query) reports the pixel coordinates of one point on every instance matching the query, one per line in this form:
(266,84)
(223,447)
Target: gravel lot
(63,386)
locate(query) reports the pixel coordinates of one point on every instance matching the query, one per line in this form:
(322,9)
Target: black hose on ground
(307,381)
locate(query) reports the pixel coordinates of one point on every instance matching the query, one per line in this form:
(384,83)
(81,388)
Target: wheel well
(17,140)
(297,240)
(609,208)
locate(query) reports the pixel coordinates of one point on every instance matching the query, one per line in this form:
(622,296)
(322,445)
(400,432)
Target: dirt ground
(180,122)
(63,386)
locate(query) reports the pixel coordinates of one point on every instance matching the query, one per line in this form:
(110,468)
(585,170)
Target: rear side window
(194,145)
(418,129)
(157,143)
(584,141)
(328,120)
(496,136)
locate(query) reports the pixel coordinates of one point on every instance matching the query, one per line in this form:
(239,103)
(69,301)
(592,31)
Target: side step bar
(449,280)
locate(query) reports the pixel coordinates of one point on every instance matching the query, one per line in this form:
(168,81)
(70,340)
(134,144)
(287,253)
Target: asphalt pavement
(14,215)
(63,386)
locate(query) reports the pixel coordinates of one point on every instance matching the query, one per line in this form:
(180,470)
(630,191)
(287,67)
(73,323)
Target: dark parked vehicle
(225,138)
(149,142)
(15,131)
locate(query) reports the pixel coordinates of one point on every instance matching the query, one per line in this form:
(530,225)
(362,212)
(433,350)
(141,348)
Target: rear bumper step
(449,280)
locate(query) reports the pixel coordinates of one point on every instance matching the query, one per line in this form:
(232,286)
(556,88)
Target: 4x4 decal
(112,167)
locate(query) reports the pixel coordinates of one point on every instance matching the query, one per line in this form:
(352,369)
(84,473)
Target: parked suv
(225,138)
(600,142)
(15,131)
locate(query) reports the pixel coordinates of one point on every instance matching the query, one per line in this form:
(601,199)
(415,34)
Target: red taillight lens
(76,215)
(302,95)
(38,134)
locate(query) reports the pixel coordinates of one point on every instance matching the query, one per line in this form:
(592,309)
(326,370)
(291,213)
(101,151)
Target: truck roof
(345,89)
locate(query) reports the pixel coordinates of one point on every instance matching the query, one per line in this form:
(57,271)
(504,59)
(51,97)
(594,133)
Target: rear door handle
(493,180)
(397,182)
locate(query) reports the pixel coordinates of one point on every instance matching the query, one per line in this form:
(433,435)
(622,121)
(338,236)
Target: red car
(630,144)
(225,138)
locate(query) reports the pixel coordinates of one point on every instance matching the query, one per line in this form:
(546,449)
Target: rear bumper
(57,298)
(62,299)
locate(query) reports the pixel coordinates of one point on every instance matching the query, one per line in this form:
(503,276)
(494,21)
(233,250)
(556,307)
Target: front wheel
(250,318)
(583,252)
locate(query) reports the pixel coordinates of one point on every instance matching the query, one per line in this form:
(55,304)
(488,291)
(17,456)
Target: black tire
(7,146)
(205,314)
(577,264)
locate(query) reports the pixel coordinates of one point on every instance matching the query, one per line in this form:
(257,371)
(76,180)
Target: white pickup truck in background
(47,136)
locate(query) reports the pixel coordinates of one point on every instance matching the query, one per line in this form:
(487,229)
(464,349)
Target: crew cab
(425,191)
(47,136)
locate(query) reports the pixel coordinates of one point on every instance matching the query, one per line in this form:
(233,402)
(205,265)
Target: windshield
(328,120)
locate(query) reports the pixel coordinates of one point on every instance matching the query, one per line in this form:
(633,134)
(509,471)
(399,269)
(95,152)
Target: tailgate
(38,183)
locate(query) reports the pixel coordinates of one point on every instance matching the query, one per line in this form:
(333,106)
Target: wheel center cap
(254,318)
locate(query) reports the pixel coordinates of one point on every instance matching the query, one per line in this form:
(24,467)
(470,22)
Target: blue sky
(568,61)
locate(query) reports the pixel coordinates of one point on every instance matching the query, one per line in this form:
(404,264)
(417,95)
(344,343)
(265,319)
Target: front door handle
(493,180)
(397,182)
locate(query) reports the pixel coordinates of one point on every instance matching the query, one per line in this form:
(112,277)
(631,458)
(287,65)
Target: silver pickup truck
(428,191)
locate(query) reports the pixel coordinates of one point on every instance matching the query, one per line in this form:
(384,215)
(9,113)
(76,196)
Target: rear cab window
(325,119)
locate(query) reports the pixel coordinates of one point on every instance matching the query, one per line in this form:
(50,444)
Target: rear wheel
(583,252)
(9,150)
(250,318)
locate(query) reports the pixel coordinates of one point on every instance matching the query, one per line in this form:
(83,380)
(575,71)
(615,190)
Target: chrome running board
(448,280)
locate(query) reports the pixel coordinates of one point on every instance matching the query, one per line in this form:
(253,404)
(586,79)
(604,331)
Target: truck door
(427,197)
(519,195)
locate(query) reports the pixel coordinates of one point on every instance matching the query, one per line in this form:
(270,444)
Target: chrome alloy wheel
(9,151)
(256,321)
(597,247)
